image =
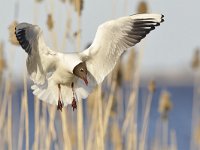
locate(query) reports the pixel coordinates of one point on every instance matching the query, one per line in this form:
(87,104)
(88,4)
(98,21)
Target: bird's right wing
(41,59)
(113,38)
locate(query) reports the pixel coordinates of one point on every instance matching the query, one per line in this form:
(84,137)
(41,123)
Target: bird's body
(64,67)
(69,76)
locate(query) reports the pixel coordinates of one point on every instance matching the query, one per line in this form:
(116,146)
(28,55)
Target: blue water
(179,117)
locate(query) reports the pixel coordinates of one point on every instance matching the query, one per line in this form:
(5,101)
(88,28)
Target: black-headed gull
(64,78)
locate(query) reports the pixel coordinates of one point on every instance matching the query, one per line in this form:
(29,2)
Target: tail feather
(49,91)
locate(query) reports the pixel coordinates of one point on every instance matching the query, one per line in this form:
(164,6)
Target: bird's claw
(74,106)
(60,105)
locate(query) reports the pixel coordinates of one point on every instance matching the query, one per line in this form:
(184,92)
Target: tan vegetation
(165,104)
(142,7)
(12,36)
(50,23)
(103,110)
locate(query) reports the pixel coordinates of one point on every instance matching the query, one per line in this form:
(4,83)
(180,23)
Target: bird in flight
(64,78)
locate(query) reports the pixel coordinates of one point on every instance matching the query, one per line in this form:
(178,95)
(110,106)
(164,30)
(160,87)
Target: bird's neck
(41,41)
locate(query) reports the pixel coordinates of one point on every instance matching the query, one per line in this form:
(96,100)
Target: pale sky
(170,46)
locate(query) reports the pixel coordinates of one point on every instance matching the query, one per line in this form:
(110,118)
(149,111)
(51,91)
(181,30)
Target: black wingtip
(15,31)
(162,18)
(21,37)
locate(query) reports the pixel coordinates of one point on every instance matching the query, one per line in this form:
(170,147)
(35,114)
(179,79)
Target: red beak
(86,81)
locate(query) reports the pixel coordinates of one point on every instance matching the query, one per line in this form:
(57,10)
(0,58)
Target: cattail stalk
(165,134)
(136,88)
(110,102)
(9,120)
(36,121)
(26,112)
(100,121)
(66,139)
(92,126)
(173,140)
(129,113)
(133,100)
(51,135)
(195,105)
(80,106)
(42,133)
(165,105)
(131,136)
(157,140)
(21,129)
(4,105)
(145,122)
(116,137)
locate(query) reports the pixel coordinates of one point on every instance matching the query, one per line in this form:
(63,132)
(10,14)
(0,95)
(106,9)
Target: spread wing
(41,63)
(41,59)
(113,38)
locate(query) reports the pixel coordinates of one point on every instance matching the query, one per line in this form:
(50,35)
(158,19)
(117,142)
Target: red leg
(74,106)
(60,104)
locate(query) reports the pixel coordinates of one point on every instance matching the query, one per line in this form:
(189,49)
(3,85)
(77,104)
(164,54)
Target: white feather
(111,41)
(48,68)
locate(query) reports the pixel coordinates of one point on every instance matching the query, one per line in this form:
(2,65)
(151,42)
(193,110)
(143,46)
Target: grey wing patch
(140,28)
(21,35)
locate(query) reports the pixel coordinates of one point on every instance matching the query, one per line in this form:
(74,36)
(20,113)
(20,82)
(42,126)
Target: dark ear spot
(81,67)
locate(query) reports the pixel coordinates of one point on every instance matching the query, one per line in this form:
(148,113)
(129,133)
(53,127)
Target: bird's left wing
(113,38)
(41,59)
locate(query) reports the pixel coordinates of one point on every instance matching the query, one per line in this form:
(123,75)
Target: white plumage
(48,68)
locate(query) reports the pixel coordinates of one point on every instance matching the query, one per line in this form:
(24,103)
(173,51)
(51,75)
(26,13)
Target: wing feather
(113,38)
(41,59)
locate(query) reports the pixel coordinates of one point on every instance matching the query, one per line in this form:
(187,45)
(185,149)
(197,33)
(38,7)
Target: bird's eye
(81,69)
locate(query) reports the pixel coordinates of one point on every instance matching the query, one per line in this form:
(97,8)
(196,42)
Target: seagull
(64,78)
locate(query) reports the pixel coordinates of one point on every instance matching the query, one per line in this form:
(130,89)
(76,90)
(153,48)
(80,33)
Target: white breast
(64,69)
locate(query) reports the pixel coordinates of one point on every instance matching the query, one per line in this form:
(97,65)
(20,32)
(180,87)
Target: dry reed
(197,136)
(12,36)
(116,137)
(142,7)
(110,102)
(78,4)
(195,106)
(196,60)
(50,22)
(173,140)
(144,132)
(64,130)
(93,97)
(36,120)
(2,62)
(165,104)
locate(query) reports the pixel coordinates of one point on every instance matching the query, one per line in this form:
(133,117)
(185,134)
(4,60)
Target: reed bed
(107,120)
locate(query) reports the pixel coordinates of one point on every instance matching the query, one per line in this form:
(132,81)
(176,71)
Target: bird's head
(80,71)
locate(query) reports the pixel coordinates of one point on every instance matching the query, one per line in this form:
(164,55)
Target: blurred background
(149,102)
